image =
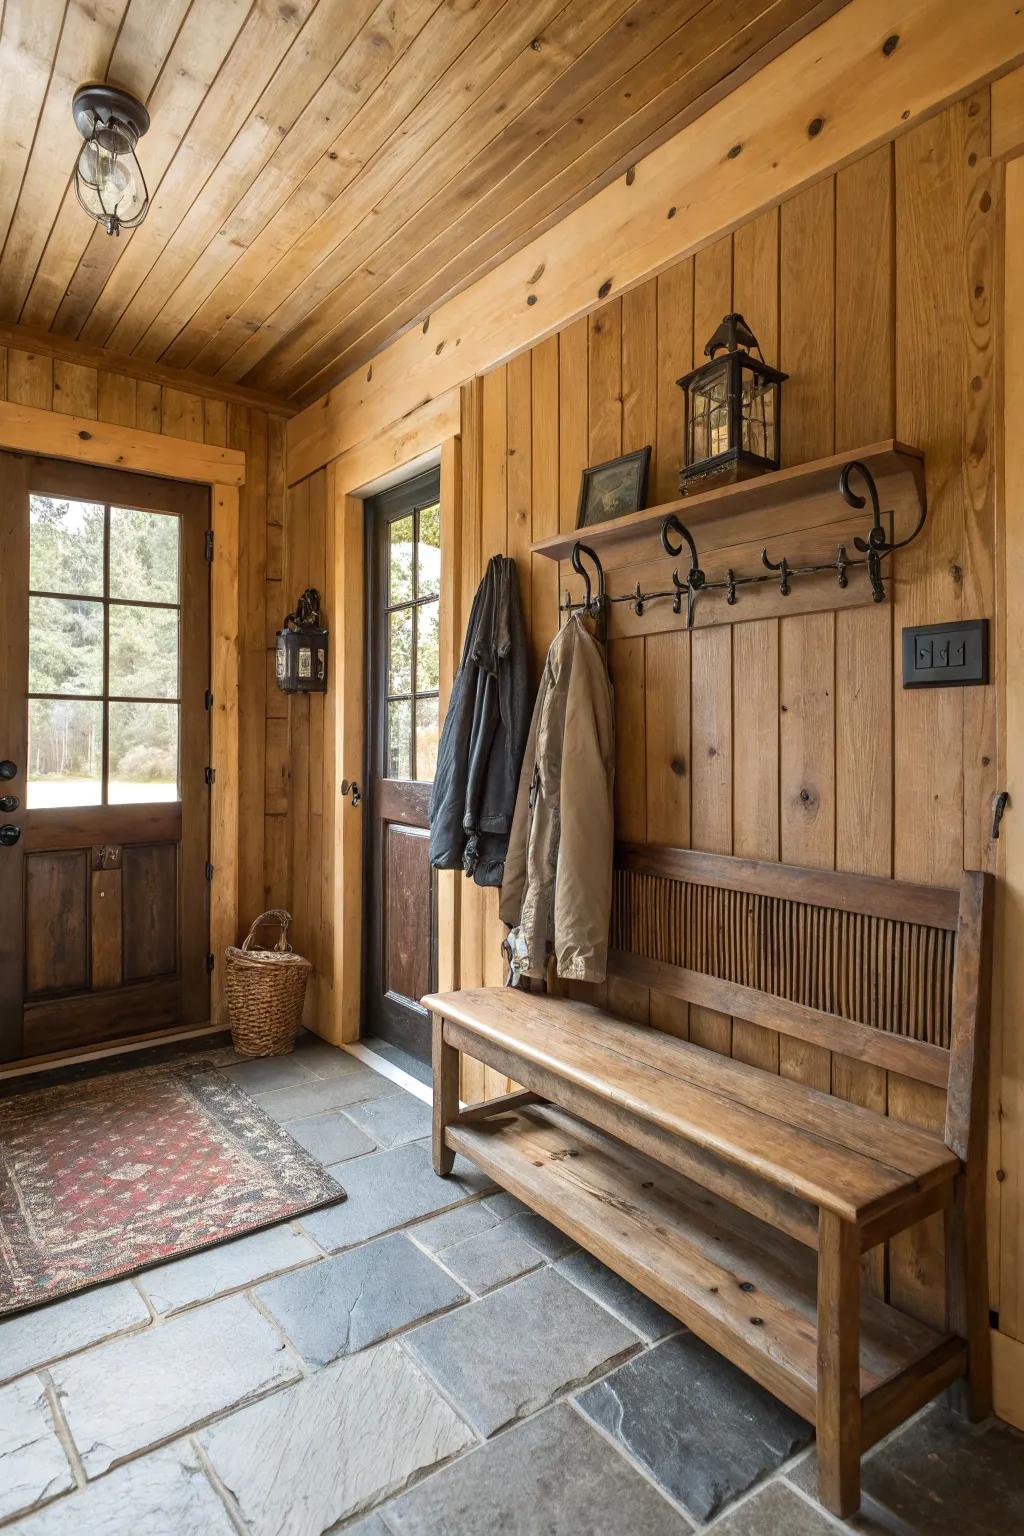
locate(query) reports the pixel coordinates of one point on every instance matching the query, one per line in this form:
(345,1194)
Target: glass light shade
(109,182)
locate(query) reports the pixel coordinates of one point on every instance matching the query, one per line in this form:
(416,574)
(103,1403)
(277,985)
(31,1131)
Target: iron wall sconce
(301,660)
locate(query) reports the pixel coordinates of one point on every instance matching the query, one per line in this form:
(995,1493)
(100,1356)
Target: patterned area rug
(103,1177)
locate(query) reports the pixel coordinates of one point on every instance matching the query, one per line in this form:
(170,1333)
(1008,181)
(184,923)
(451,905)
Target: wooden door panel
(105,927)
(150,911)
(56,922)
(407,875)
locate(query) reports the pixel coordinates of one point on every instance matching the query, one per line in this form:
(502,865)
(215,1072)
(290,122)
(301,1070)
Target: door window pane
(400,561)
(143,652)
(144,555)
(65,645)
(398,746)
(65,753)
(427,652)
(65,546)
(428,576)
(143,763)
(426,738)
(400,651)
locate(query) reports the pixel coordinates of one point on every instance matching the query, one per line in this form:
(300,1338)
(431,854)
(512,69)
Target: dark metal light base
(99,103)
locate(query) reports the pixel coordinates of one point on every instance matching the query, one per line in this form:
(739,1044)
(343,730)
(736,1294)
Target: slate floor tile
(326,1060)
(33,1466)
(131,1393)
(359,1430)
(385,1190)
(394,1053)
(553,1476)
(704,1431)
(318,1094)
(557,1338)
(452,1226)
(490,1258)
(346,1303)
(393,1120)
(775,1511)
(503,1205)
(551,1242)
(164,1494)
(266,1074)
(331,1137)
(370,1525)
(227,1267)
(926,1478)
(66,1326)
(644,1316)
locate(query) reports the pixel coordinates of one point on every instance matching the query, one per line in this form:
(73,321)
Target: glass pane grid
(103,698)
(411,621)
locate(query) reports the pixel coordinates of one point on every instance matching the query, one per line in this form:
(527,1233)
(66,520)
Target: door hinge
(207,699)
(210,962)
(209,870)
(210,775)
(209,544)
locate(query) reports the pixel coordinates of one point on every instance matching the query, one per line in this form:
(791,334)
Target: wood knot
(531,298)
(605,288)
(806,797)
(891,43)
(747,1285)
(85,436)
(815,126)
(736,150)
(678,767)
(631,176)
(671,213)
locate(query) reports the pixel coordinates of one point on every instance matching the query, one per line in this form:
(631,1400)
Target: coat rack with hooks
(874,548)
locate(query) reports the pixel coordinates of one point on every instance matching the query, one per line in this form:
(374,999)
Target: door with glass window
(403,603)
(104,746)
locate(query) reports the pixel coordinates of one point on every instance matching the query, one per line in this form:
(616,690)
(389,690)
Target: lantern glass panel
(759,416)
(709,415)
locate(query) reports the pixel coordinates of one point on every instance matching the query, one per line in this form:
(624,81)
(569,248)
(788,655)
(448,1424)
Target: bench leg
(967,1297)
(445,1063)
(838,1405)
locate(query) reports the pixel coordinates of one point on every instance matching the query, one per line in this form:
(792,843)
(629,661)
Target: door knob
(9,834)
(349,786)
(9,803)
(8,769)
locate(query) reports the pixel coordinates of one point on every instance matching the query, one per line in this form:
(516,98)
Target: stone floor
(427,1359)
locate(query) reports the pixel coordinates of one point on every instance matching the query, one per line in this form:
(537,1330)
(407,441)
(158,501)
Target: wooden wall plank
(675,346)
(573,419)
(545,470)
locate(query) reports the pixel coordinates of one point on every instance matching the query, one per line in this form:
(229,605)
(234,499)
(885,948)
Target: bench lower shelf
(745,1288)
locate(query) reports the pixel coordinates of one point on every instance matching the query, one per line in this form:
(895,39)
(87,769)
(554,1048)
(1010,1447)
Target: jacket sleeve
(583,888)
(513,884)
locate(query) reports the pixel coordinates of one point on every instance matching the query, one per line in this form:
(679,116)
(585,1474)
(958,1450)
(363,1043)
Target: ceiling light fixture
(109,182)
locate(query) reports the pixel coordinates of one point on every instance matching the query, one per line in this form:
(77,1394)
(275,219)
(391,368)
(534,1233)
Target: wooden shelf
(743,1287)
(807,488)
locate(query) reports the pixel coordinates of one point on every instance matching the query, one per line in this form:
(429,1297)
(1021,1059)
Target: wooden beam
(346,699)
(828,99)
(223,738)
(396,448)
(1008,116)
(68,348)
(29,429)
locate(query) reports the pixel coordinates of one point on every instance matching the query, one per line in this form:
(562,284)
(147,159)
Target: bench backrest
(883,971)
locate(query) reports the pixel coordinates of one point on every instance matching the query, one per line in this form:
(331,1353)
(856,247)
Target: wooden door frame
(352,480)
(27,429)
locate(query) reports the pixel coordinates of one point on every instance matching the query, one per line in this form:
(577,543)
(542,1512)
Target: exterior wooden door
(104,746)
(403,590)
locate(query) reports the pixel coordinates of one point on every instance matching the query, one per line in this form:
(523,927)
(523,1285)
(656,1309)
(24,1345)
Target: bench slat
(686,1249)
(835,1155)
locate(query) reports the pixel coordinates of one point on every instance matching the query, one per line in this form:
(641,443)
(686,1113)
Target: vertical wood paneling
(519,429)
(711,734)
(675,345)
(544,465)
(605,376)
(640,371)
(573,417)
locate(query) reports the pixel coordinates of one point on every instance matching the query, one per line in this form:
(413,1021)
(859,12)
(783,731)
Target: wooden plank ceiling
(324,172)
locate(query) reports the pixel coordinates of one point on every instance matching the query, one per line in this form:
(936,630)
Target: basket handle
(276,915)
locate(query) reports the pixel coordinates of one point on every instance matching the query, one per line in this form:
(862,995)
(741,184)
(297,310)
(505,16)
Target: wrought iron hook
(595,606)
(876,546)
(782,566)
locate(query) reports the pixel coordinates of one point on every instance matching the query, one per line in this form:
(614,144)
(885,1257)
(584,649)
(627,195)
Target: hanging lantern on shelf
(732,410)
(109,183)
(301,660)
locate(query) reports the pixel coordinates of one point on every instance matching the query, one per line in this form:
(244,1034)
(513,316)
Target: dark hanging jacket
(484,734)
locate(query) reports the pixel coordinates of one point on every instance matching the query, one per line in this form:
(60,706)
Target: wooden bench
(738,1199)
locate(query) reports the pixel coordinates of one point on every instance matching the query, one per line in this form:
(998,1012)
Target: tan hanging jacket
(557,890)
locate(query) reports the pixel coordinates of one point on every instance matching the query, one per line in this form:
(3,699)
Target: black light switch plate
(946,655)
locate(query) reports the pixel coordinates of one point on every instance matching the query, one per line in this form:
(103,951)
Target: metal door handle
(8,770)
(9,834)
(9,803)
(349,786)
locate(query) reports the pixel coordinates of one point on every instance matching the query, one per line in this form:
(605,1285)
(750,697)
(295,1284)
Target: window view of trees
(414,578)
(70,622)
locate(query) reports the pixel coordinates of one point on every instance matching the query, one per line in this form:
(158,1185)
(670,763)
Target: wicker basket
(265,990)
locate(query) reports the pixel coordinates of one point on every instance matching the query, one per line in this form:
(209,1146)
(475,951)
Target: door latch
(349,786)
(9,834)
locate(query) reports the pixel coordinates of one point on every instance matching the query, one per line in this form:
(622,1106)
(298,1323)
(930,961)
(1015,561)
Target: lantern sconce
(732,407)
(301,659)
(109,183)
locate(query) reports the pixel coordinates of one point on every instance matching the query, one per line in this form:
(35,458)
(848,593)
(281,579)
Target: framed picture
(614,489)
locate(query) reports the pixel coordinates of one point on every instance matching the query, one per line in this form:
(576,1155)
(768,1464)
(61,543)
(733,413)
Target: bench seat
(810,1146)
